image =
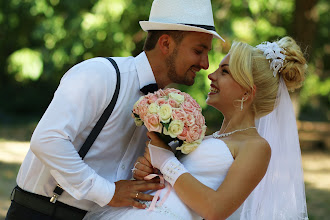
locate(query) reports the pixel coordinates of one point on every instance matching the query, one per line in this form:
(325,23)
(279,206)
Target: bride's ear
(250,94)
(253,92)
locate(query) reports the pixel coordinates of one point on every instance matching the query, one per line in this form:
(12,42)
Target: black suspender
(104,117)
(96,130)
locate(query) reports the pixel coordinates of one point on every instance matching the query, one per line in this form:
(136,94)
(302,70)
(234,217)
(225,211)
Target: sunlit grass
(316,167)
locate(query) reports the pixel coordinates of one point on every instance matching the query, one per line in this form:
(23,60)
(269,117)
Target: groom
(179,39)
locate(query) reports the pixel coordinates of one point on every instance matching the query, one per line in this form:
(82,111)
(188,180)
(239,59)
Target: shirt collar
(144,70)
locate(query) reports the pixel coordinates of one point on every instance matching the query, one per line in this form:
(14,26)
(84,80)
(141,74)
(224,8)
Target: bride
(249,169)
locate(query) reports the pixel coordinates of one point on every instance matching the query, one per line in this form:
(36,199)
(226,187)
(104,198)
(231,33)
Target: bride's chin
(209,99)
(208,102)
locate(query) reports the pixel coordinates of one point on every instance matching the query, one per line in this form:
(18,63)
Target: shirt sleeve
(83,94)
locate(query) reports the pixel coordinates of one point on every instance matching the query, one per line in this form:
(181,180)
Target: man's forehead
(204,46)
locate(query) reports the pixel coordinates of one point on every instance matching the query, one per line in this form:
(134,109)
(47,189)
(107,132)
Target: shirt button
(123,167)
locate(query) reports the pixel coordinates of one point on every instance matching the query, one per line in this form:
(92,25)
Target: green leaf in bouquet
(166,125)
(166,138)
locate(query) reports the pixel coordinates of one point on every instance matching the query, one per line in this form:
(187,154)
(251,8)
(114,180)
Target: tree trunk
(305,23)
(303,30)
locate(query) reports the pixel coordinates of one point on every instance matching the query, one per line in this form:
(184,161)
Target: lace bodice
(209,163)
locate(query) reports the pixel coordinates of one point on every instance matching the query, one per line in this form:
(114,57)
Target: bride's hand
(156,141)
(142,168)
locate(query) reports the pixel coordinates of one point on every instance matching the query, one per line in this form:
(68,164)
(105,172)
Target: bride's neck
(237,120)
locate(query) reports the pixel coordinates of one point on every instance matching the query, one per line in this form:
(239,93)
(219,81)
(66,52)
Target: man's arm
(76,105)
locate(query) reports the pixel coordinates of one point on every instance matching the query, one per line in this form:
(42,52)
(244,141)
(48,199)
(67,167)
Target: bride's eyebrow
(223,65)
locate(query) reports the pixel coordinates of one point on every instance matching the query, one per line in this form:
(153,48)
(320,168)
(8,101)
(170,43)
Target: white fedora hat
(182,15)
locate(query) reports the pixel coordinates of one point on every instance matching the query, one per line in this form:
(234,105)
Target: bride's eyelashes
(224,72)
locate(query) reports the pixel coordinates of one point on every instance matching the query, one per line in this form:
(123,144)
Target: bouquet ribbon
(156,196)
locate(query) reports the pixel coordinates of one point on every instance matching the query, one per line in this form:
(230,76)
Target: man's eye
(198,52)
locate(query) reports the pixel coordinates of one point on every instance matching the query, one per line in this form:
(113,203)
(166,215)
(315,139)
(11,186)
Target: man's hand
(129,191)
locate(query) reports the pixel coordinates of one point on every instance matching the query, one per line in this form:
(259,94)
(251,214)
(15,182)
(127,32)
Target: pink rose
(179,114)
(161,101)
(173,103)
(143,110)
(199,118)
(169,90)
(160,93)
(190,120)
(135,110)
(194,133)
(152,123)
(194,103)
(151,98)
(188,107)
(143,102)
(183,135)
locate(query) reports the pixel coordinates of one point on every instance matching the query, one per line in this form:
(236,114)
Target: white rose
(138,122)
(153,108)
(165,113)
(177,97)
(187,148)
(203,133)
(175,128)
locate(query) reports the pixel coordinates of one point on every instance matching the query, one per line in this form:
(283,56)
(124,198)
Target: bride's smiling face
(224,90)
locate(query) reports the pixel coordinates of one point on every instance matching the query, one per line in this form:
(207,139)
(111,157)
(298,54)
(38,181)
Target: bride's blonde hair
(249,67)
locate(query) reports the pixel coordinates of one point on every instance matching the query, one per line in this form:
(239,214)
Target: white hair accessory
(273,52)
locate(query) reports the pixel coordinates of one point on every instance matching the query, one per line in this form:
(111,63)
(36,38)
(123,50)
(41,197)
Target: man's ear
(165,43)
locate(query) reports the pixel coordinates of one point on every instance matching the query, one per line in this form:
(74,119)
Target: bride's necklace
(217,135)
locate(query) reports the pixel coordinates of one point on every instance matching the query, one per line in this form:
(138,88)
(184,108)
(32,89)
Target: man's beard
(173,75)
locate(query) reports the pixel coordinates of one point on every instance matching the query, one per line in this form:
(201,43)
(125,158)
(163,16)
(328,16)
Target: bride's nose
(211,77)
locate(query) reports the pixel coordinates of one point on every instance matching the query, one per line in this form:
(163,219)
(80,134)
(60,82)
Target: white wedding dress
(209,163)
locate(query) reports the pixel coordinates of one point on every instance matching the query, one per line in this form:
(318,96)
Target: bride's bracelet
(172,169)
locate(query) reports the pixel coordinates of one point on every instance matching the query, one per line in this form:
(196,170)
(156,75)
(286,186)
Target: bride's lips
(213,90)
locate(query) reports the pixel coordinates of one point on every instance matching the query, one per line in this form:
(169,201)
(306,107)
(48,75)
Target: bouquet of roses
(174,115)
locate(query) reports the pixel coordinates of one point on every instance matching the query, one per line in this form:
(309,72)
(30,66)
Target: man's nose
(205,62)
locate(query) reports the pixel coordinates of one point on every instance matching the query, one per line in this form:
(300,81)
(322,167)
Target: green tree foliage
(41,39)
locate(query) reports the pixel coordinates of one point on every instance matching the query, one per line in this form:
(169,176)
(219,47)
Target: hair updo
(249,67)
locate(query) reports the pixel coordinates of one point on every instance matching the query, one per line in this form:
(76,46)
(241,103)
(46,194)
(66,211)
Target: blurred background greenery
(41,39)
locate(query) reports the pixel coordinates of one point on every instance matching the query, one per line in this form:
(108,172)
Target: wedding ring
(136,195)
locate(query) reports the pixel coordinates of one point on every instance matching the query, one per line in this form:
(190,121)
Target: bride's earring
(244,98)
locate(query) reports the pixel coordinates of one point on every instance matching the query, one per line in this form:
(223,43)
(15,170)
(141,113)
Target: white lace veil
(281,193)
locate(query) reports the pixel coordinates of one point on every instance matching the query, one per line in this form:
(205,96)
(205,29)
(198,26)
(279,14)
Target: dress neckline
(225,144)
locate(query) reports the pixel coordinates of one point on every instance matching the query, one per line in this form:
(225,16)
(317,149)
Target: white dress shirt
(79,101)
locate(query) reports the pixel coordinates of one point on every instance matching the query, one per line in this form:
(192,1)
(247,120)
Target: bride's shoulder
(257,146)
